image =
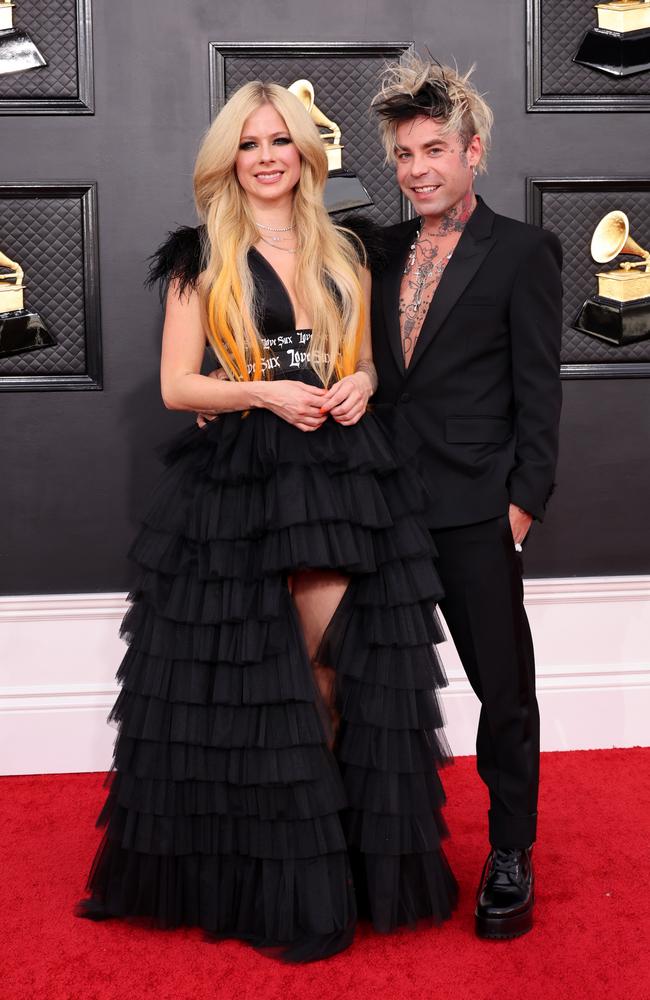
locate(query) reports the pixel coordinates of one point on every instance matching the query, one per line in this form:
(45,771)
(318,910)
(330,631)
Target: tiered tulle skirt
(226,808)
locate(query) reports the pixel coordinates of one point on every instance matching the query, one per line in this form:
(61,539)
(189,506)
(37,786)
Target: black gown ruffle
(226,810)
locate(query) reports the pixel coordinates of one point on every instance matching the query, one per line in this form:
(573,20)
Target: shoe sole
(503,928)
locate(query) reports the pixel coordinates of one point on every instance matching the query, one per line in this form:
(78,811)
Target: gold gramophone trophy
(620,312)
(20,329)
(343,191)
(17,51)
(620,45)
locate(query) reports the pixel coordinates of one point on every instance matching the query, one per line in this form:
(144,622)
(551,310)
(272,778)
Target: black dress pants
(483,607)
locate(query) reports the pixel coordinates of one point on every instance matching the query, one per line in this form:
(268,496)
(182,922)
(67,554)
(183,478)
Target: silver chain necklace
(410,262)
(423,272)
(275,246)
(276,239)
(275,229)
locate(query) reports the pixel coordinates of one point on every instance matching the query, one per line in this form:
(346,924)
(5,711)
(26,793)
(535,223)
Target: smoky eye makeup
(278,140)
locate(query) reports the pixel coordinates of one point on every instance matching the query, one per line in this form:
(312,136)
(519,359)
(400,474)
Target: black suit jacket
(482,391)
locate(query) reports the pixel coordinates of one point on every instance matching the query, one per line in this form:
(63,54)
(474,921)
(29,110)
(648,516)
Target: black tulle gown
(226,810)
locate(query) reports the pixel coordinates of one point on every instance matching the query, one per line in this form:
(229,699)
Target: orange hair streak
(228,352)
(347,363)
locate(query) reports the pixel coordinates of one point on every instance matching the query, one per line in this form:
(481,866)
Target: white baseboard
(59,655)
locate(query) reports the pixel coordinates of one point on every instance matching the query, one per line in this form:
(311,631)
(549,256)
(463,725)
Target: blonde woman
(279,733)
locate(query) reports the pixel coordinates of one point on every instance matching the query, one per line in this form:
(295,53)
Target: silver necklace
(276,239)
(423,272)
(410,261)
(276,247)
(275,229)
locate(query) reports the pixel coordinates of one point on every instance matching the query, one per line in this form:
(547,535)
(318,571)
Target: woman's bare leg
(316,595)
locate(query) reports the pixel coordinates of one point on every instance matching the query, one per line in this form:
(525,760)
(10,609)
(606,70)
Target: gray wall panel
(77,466)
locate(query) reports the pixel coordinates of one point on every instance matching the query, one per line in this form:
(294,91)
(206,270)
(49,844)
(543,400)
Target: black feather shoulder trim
(180,257)
(371,236)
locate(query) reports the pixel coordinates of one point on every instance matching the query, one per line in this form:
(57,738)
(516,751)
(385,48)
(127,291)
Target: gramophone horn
(304,91)
(612,237)
(14,266)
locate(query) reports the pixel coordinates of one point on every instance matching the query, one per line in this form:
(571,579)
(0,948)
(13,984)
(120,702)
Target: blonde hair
(416,87)
(327,264)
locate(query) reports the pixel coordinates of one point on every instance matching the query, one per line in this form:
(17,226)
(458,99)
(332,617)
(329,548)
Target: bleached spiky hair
(417,87)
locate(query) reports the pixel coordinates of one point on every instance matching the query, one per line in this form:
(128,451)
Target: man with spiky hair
(466,324)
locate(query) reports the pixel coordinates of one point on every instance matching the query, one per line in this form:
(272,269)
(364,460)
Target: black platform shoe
(504,906)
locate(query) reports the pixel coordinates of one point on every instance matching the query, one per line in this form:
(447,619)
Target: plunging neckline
(282,285)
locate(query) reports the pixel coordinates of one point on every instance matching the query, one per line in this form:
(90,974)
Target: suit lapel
(391,280)
(472,249)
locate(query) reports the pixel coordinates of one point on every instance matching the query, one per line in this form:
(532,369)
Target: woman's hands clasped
(298,403)
(347,400)
(306,406)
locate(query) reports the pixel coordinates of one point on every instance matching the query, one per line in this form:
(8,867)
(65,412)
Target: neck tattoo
(451,223)
(454,219)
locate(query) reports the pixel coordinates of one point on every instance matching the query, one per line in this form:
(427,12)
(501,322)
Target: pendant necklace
(275,245)
(423,272)
(410,261)
(273,241)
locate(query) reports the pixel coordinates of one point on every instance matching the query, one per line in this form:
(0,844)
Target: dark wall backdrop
(76,467)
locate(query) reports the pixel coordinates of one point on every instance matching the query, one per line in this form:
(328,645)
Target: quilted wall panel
(61,29)
(52,26)
(573,214)
(563,23)
(45,234)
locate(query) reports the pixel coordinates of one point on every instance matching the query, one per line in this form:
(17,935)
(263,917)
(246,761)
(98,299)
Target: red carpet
(591,940)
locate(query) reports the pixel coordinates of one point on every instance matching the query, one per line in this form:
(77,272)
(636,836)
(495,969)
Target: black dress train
(226,809)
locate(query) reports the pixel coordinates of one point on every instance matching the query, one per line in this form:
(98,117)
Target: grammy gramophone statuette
(20,329)
(620,45)
(620,312)
(17,51)
(343,191)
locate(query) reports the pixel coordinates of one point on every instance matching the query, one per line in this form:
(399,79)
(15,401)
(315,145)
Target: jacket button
(405,397)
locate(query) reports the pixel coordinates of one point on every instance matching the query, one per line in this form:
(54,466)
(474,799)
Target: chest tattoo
(424,269)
